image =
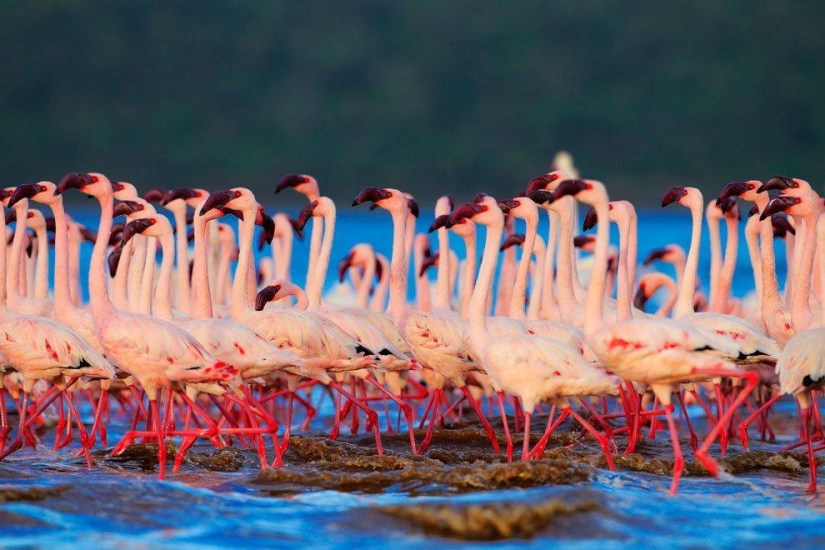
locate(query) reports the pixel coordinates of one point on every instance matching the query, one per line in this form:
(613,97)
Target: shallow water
(338,493)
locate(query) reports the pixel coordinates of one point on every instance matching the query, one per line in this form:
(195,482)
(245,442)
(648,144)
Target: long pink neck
(75,294)
(422,283)
(246,232)
(752,230)
(201,292)
(62,300)
(41,282)
(507,275)
(468,280)
(365,284)
(314,249)
(147,284)
(135,256)
(399,267)
(322,265)
(519,296)
(442,282)
(379,299)
(125,274)
(715,263)
(549,306)
(594,301)
(623,305)
(184,299)
(729,265)
(790,271)
(98,294)
(687,287)
(16,258)
(283,257)
(534,308)
(800,307)
(163,293)
(3,246)
(477,316)
(565,290)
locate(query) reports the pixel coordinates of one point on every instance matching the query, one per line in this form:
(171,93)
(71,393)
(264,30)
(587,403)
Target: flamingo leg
(404,407)
(525,448)
(743,426)
(811,458)
(18,441)
(505,423)
(678,461)
(601,438)
(491,434)
(538,450)
(372,416)
(694,442)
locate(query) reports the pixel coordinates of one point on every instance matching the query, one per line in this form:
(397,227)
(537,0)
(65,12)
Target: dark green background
(427,96)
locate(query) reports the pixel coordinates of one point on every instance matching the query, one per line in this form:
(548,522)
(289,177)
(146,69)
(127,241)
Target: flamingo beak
(541,182)
(581,241)
(25,191)
(439,222)
(674,194)
(299,231)
(179,193)
(135,227)
(777,205)
(218,199)
(463,212)
(305,214)
(640,299)
(428,262)
(266,295)
(569,187)
(371,194)
(516,239)
(412,204)
(290,180)
(735,189)
(75,180)
(126,208)
(590,220)
(344,265)
(507,205)
(114,260)
(779,183)
(654,255)
(156,195)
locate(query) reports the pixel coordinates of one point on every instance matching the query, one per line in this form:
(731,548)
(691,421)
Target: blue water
(116,506)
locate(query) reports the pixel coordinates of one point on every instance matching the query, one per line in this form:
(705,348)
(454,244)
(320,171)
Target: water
(120,504)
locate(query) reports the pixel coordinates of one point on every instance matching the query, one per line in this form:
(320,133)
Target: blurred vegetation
(428,95)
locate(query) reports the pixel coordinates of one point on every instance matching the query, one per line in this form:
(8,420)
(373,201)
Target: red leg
(538,450)
(811,458)
(372,416)
(487,427)
(743,426)
(678,461)
(525,448)
(694,442)
(508,437)
(599,437)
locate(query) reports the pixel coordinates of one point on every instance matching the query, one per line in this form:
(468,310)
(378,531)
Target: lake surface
(52,499)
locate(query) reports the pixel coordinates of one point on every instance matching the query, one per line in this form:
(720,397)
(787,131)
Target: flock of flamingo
(194,353)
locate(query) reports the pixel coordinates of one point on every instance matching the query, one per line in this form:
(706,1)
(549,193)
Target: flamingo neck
(477,315)
(594,300)
(468,279)
(715,262)
(240,290)
(800,305)
(41,281)
(144,301)
(519,296)
(507,275)
(442,282)
(399,268)
(135,256)
(687,287)
(322,265)
(623,306)
(534,308)
(314,249)
(752,234)
(422,286)
(62,295)
(566,293)
(163,293)
(99,301)
(123,276)
(201,292)
(3,271)
(549,306)
(409,236)
(184,298)
(75,293)
(366,282)
(284,256)
(729,265)
(380,296)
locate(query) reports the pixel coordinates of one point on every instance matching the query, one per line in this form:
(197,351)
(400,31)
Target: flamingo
(660,352)
(649,285)
(156,352)
(532,367)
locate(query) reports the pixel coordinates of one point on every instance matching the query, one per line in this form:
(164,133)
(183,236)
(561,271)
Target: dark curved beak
(753,211)
(734,189)
(516,239)
(184,193)
(412,204)
(726,205)
(776,183)
(540,182)
(654,255)
(74,180)
(299,231)
(590,220)
(50,226)
(640,299)
(305,214)
(371,194)
(11,217)
(218,199)
(781,227)
(190,235)
(777,205)
(156,195)
(541,196)
(88,235)
(569,188)
(439,222)
(343,267)
(25,191)
(672,195)
(507,205)
(427,263)
(266,295)
(290,180)
(126,208)
(115,234)
(135,227)
(114,260)
(580,241)
(462,212)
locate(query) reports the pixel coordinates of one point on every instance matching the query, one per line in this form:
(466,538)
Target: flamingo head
(641,297)
(427,262)
(124,190)
(116,234)
(747,190)
(44,192)
(412,206)
(88,235)
(668,254)
(585,191)
(520,207)
(93,184)
(484,210)
(591,219)
(128,208)
(240,199)
(676,194)
(5,195)
(730,209)
(782,227)
(151,226)
(391,200)
(547,181)
(157,195)
(780,204)
(179,196)
(302,183)
(784,184)
(516,239)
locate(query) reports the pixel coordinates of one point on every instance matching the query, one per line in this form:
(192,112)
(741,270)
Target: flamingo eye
(42,188)
(554,177)
(94,179)
(751,187)
(588,186)
(237,194)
